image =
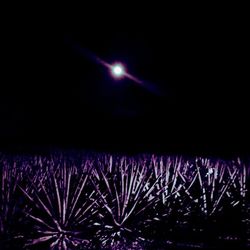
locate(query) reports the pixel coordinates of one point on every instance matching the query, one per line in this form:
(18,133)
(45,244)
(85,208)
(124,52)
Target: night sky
(56,95)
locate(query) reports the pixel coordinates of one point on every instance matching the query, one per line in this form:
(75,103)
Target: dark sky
(56,95)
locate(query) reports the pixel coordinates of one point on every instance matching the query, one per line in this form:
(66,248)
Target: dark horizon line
(183,149)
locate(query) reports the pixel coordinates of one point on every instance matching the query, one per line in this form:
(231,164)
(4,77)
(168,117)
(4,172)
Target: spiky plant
(203,189)
(169,173)
(212,183)
(127,189)
(212,190)
(11,205)
(61,206)
(8,181)
(170,211)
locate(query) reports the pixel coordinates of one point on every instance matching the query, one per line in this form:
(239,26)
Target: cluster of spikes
(87,201)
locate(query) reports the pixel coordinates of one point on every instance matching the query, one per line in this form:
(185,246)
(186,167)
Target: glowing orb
(117,70)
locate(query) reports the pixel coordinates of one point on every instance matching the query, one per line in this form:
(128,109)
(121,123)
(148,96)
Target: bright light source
(117,70)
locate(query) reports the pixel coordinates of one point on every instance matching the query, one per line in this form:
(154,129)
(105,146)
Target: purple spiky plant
(61,206)
(214,181)
(128,190)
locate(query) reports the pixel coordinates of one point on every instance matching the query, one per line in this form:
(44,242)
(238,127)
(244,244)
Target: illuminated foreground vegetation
(102,201)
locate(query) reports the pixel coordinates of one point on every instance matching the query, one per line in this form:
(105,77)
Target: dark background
(54,95)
